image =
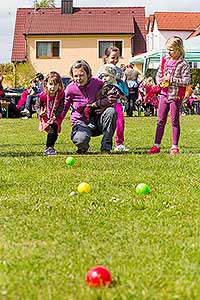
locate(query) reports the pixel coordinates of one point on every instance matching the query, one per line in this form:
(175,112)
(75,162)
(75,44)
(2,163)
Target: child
(31,90)
(49,106)
(176,73)
(111,57)
(119,91)
(150,97)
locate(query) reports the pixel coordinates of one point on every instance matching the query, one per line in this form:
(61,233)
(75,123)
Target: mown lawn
(49,239)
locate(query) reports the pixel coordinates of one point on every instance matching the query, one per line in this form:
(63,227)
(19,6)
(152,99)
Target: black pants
(130,107)
(52,135)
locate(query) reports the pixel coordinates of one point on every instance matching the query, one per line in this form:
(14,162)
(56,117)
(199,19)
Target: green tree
(44,4)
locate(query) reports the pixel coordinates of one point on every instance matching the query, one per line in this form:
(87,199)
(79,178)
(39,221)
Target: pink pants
(119,138)
(164,108)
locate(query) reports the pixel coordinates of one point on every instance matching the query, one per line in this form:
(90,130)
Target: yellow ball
(84,187)
(164,84)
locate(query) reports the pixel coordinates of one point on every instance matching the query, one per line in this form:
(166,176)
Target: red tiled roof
(19,43)
(91,20)
(184,21)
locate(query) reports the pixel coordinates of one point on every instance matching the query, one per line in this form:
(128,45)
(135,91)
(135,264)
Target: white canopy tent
(192,54)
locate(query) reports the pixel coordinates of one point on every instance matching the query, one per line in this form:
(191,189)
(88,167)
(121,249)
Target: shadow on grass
(135,151)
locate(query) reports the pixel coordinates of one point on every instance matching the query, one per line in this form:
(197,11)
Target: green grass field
(49,239)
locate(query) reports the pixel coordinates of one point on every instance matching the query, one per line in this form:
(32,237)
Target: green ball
(70,161)
(142,189)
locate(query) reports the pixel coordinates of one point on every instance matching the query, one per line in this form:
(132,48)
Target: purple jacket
(77,97)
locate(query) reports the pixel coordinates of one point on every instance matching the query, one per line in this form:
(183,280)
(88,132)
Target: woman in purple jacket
(80,92)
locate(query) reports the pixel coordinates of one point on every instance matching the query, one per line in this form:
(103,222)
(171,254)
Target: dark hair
(56,78)
(108,52)
(40,76)
(81,63)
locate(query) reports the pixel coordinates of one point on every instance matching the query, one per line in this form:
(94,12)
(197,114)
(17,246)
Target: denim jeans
(105,124)
(30,100)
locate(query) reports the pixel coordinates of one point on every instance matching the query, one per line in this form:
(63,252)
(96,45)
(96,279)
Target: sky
(9,7)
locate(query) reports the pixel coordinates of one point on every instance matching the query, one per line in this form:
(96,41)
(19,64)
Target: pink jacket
(22,99)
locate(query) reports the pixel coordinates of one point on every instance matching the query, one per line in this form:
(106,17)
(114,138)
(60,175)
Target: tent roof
(192,53)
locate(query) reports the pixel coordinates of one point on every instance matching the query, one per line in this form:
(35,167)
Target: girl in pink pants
(173,76)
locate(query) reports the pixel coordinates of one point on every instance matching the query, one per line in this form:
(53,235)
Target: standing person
(175,74)
(49,106)
(112,55)
(150,98)
(132,78)
(80,92)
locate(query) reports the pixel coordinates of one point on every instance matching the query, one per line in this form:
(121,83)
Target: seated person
(31,98)
(30,91)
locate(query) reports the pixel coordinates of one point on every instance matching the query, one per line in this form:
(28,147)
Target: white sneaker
(25,112)
(121,148)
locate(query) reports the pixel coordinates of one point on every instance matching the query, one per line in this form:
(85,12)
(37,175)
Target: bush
(18,75)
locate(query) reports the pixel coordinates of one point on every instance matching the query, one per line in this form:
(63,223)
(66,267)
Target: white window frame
(110,40)
(48,41)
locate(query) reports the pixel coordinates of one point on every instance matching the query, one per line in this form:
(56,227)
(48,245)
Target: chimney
(66,6)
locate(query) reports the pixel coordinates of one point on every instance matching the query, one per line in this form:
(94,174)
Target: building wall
(73,48)
(157,38)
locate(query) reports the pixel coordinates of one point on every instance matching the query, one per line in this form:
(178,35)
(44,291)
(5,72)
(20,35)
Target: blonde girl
(176,76)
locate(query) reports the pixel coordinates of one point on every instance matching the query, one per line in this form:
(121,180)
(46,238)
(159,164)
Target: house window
(47,49)
(102,45)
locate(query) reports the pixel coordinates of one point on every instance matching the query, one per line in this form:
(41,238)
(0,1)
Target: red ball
(98,276)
